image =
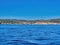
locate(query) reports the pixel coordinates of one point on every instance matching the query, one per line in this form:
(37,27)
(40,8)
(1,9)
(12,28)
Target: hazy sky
(29,9)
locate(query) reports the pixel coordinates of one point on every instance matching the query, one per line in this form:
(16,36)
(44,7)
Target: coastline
(34,24)
(39,22)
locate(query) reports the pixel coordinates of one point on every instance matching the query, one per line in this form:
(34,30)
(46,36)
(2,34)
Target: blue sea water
(29,34)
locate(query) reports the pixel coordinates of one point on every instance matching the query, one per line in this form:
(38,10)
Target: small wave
(22,42)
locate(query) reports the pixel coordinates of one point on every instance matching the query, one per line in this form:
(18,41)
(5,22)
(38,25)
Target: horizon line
(30,19)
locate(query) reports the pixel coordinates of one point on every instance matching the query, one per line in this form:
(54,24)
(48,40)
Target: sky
(29,9)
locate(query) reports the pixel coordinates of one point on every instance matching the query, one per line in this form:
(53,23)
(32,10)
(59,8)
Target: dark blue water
(29,34)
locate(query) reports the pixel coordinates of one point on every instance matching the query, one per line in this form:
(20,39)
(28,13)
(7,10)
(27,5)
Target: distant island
(17,21)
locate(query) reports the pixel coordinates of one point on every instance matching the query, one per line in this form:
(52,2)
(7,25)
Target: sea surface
(13,34)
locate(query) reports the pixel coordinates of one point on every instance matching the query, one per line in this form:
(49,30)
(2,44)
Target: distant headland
(17,21)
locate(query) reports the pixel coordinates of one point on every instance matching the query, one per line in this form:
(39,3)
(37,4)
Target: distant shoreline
(34,24)
(42,22)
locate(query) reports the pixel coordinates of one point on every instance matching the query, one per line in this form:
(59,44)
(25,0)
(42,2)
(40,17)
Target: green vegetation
(55,20)
(16,21)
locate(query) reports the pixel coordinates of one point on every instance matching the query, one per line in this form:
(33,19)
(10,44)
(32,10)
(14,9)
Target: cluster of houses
(46,23)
